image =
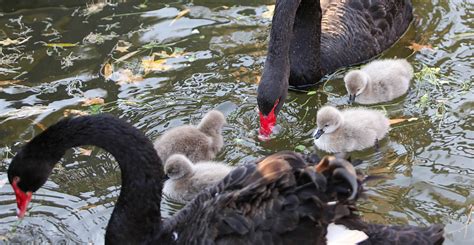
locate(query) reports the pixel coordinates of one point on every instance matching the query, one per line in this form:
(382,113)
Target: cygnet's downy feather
(186,179)
(350,129)
(379,81)
(198,143)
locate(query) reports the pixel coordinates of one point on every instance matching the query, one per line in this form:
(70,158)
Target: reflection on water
(187,58)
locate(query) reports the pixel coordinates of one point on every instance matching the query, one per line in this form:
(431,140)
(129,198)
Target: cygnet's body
(198,143)
(379,81)
(349,130)
(186,179)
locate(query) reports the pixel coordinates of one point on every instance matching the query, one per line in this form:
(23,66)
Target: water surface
(187,57)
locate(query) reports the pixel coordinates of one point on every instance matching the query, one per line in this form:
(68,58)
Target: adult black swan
(306,43)
(278,200)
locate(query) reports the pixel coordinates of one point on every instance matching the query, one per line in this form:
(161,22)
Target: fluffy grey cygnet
(350,129)
(186,179)
(198,143)
(379,81)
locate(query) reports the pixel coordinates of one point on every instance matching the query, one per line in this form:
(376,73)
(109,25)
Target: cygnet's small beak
(318,133)
(352,98)
(167,177)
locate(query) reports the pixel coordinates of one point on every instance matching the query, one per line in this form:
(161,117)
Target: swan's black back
(275,204)
(361,29)
(281,202)
(352,31)
(396,234)
(278,201)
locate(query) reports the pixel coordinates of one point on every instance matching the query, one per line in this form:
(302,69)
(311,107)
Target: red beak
(22,198)
(267,123)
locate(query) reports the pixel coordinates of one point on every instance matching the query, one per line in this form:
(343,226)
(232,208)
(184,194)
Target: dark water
(214,56)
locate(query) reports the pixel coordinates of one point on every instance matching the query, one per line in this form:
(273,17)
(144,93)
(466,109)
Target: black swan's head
(271,96)
(27,173)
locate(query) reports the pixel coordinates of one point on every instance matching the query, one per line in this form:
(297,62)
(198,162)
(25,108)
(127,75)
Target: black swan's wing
(273,202)
(384,234)
(354,31)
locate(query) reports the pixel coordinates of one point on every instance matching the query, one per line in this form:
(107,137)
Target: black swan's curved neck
(281,33)
(276,72)
(305,49)
(136,216)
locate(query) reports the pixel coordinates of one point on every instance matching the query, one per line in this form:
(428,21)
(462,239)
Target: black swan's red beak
(267,123)
(22,198)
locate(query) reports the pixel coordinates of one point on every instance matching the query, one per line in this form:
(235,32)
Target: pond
(161,65)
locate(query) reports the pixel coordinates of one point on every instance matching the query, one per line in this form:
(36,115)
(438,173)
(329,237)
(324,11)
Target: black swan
(279,200)
(306,43)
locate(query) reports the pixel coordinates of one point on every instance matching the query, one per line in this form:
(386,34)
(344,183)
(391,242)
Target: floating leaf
(93,101)
(9,41)
(154,65)
(269,13)
(40,126)
(90,206)
(123,46)
(397,120)
(9,82)
(126,76)
(95,109)
(247,75)
(61,45)
(85,152)
(127,56)
(180,14)
(94,8)
(69,112)
(311,93)
(418,47)
(300,148)
(257,79)
(107,71)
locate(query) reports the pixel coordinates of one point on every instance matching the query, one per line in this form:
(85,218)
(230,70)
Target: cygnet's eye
(327,125)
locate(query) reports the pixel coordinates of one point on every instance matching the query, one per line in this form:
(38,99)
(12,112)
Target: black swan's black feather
(279,200)
(311,38)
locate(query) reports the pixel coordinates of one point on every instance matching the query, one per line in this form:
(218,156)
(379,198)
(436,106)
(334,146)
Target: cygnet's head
(178,166)
(328,120)
(355,81)
(212,123)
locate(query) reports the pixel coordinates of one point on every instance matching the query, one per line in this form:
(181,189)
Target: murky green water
(213,55)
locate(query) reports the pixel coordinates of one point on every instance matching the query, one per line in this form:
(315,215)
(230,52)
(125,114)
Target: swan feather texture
(279,200)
